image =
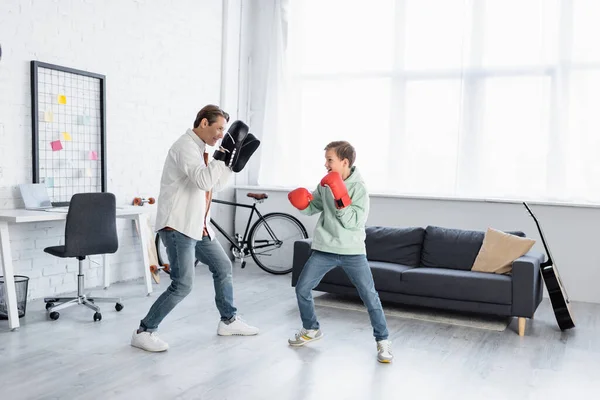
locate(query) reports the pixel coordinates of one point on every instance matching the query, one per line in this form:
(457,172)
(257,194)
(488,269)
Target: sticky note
(66,136)
(56,145)
(88,172)
(62,99)
(80,120)
(93,155)
(48,116)
(49,182)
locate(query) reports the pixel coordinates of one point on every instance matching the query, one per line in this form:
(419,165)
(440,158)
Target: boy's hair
(343,150)
(211,113)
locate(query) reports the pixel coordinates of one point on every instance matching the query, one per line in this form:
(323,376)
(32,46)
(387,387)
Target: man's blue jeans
(358,270)
(182,251)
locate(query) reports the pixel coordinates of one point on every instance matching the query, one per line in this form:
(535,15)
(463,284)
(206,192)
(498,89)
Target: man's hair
(211,113)
(343,150)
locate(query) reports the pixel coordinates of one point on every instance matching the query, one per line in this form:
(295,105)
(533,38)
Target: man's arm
(222,180)
(205,177)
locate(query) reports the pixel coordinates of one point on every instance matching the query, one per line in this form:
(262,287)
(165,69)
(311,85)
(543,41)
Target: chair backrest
(91,225)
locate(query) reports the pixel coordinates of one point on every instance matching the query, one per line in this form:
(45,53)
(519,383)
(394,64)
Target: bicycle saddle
(258,196)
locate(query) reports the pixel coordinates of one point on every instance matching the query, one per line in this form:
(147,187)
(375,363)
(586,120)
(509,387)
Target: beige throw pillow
(499,250)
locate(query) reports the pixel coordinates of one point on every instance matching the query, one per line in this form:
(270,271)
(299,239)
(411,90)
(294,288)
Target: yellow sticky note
(66,136)
(88,172)
(48,116)
(62,99)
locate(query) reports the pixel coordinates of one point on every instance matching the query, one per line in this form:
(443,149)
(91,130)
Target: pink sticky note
(56,145)
(93,155)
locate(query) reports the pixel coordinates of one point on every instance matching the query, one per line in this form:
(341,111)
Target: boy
(339,240)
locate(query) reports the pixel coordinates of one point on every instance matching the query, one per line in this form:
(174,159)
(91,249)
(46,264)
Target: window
(485,99)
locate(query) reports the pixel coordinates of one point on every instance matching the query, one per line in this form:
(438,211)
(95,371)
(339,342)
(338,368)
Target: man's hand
(338,189)
(248,148)
(231,143)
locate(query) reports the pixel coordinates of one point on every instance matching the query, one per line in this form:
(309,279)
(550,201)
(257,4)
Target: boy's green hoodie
(340,231)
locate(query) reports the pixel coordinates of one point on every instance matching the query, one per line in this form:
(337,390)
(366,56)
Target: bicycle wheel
(271,242)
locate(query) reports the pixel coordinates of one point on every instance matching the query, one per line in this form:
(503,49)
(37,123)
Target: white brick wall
(162,62)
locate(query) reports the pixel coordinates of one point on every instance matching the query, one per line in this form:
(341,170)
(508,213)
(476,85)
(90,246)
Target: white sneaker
(384,351)
(148,341)
(305,336)
(236,327)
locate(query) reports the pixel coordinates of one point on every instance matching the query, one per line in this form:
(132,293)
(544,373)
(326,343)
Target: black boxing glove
(229,150)
(248,148)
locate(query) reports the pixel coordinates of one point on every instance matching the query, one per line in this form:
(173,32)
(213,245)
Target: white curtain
(473,98)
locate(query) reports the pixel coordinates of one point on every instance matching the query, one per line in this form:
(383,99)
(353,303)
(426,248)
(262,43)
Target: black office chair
(91,228)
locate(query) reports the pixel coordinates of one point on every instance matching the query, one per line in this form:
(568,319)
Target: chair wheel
(49,305)
(118,306)
(54,315)
(243,264)
(97,317)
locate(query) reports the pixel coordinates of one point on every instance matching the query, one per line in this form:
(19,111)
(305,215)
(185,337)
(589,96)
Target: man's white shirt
(183,186)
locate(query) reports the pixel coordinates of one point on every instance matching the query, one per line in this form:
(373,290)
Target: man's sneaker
(305,336)
(384,351)
(236,327)
(148,341)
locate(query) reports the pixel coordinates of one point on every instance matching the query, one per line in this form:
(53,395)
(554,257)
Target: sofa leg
(522,323)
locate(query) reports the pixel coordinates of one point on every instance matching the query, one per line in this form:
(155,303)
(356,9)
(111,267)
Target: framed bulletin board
(69,130)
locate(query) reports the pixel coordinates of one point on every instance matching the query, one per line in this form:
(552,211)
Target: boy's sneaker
(384,351)
(148,341)
(236,327)
(305,336)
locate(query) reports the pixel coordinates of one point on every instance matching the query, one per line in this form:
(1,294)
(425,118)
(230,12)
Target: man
(186,188)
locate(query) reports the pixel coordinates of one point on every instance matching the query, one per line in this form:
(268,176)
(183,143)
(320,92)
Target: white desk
(20,216)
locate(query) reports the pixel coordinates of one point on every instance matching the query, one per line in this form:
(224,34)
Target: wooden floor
(75,358)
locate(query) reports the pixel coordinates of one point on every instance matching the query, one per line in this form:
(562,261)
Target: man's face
(334,164)
(211,134)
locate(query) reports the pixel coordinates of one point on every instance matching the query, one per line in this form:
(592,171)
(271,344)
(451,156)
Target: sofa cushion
(452,248)
(395,245)
(499,250)
(385,275)
(457,285)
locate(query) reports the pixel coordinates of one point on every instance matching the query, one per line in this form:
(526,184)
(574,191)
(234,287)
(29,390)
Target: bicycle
(272,237)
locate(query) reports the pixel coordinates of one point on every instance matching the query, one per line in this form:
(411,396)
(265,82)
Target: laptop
(35,196)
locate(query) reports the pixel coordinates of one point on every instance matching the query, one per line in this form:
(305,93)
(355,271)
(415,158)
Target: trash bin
(21,284)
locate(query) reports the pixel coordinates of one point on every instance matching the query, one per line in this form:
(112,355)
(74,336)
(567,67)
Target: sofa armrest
(302,251)
(527,288)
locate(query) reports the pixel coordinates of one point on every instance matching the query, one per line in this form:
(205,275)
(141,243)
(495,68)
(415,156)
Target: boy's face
(334,164)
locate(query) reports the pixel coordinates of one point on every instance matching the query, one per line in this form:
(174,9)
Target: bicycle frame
(231,240)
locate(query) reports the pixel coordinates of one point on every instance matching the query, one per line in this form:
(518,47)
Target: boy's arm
(306,202)
(355,215)
(316,205)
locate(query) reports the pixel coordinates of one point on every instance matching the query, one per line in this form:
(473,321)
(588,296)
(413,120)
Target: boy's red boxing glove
(300,198)
(338,188)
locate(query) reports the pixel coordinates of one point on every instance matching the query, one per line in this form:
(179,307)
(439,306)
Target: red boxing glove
(300,198)
(338,188)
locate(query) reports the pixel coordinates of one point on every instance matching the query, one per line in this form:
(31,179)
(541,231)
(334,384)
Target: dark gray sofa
(432,267)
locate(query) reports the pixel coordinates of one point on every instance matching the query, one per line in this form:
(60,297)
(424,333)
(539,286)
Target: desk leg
(142,223)
(106,265)
(9,277)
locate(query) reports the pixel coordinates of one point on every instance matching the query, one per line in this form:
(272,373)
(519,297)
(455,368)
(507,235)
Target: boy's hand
(300,198)
(338,188)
